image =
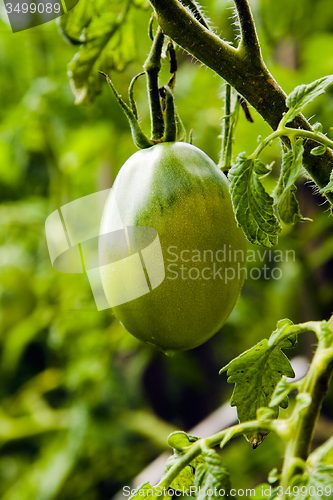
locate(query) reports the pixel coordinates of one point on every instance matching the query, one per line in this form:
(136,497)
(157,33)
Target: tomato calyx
(166,125)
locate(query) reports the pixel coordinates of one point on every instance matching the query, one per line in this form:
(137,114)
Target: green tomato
(177,190)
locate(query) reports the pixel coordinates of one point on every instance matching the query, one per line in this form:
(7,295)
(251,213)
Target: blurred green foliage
(84,405)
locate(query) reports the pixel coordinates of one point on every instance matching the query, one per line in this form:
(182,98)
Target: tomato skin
(176,189)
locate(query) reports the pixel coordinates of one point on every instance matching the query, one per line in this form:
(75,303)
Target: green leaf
(252,204)
(282,390)
(318,127)
(319,150)
(303,400)
(284,194)
(256,374)
(211,477)
(146,490)
(283,335)
(72,24)
(314,483)
(288,208)
(323,454)
(107,43)
(265,413)
(273,476)
(326,333)
(303,94)
(185,479)
(291,165)
(263,491)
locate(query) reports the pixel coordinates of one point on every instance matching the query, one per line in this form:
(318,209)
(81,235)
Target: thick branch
(247,74)
(152,68)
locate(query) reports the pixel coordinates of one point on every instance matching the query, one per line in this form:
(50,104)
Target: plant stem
(196,12)
(292,133)
(249,40)
(152,68)
(243,68)
(225,158)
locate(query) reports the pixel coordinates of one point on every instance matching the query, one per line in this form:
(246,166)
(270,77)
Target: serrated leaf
(107,38)
(253,206)
(256,374)
(211,477)
(319,150)
(284,194)
(317,483)
(303,94)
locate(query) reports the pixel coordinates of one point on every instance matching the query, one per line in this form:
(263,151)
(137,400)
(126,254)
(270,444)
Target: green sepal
(140,139)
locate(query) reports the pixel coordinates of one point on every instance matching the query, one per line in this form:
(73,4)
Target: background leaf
(210,475)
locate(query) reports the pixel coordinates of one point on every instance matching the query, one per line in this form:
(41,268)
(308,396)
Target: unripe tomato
(177,190)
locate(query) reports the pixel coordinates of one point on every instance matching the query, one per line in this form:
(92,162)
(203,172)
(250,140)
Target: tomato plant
(175,189)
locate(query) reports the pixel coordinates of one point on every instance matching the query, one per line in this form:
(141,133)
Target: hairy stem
(243,68)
